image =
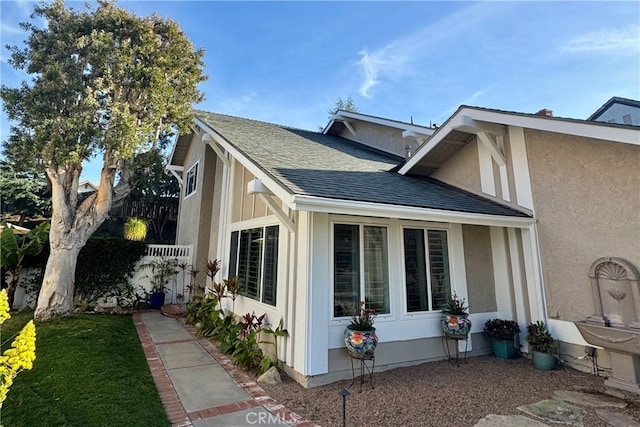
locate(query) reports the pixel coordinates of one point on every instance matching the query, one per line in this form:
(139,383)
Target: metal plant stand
(367,366)
(455,358)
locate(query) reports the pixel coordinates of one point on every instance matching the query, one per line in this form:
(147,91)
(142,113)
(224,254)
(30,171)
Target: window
(626,119)
(426,264)
(254,259)
(192,175)
(360,269)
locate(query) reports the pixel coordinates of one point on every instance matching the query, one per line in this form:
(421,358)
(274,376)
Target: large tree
(103,82)
(23,193)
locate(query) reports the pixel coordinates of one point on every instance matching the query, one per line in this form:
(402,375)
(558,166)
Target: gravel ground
(441,394)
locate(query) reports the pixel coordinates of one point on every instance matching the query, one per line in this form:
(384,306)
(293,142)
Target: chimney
(545,112)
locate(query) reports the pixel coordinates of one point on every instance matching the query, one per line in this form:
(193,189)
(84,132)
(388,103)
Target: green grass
(90,370)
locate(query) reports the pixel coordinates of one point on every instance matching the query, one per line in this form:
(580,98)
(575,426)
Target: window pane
(270,265)
(439,263)
(233,254)
(376,269)
(250,262)
(346,264)
(415,270)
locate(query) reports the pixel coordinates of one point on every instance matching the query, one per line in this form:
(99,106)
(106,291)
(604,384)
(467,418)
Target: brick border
(176,413)
(259,395)
(168,396)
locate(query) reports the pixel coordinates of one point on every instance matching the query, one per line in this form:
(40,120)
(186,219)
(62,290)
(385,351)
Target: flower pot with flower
(360,336)
(455,318)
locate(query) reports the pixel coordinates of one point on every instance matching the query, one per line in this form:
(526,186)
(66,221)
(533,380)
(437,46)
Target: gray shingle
(314,164)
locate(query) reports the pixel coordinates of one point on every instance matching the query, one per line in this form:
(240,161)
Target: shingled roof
(315,164)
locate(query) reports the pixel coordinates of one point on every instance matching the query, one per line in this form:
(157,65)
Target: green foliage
(162,271)
(344,105)
(227,337)
(103,79)
(14,248)
(100,274)
(87,366)
(265,364)
(539,338)
(501,329)
(247,353)
(455,305)
(23,193)
(363,319)
(280,331)
(135,229)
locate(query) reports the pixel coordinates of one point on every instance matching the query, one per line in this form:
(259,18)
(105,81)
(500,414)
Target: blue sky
(288,62)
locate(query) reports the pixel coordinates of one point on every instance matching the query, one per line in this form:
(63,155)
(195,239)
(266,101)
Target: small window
(626,119)
(254,259)
(192,178)
(426,266)
(360,269)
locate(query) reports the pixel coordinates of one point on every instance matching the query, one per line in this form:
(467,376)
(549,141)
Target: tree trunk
(58,285)
(71,226)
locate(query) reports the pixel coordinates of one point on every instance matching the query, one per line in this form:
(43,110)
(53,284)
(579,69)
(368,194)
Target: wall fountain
(615,325)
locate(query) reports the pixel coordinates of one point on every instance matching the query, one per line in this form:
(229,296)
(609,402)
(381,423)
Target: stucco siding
(187,232)
(462,169)
(381,137)
(479,265)
(587,202)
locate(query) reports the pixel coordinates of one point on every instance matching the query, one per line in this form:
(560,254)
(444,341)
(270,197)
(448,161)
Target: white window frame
(195,180)
(263,223)
(361,225)
(425,228)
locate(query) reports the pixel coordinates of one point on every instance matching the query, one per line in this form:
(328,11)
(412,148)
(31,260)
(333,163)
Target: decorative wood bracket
(173,169)
(256,186)
(216,148)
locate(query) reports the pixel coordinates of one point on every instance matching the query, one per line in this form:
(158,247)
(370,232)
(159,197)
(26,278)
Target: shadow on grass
(89,370)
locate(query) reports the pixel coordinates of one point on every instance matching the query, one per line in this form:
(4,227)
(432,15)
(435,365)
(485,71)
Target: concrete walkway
(198,385)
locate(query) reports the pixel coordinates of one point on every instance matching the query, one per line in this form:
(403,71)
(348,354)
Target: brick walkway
(173,357)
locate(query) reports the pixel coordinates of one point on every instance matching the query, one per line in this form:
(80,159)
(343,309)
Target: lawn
(90,370)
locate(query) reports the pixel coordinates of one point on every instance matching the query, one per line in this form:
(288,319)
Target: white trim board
(460,120)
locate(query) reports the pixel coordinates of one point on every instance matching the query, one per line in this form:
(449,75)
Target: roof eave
(352,207)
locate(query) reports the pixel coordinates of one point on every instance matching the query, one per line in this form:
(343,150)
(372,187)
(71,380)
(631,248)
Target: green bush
(105,268)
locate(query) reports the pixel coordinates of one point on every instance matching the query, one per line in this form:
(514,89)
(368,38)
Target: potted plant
(455,318)
(360,336)
(542,345)
(502,333)
(162,270)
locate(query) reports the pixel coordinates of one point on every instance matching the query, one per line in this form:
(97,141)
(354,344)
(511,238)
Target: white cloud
(617,39)
(470,100)
(398,57)
(10,29)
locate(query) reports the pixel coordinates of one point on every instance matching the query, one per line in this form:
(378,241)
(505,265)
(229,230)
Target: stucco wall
(479,265)
(381,137)
(462,169)
(189,217)
(587,200)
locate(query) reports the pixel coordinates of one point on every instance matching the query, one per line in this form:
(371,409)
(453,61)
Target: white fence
(178,284)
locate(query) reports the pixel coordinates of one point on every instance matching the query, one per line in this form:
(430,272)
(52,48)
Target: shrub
(101,274)
(539,338)
(501,329)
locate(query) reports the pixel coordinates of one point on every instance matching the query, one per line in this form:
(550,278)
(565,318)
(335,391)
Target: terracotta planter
(360,344)
(456,325)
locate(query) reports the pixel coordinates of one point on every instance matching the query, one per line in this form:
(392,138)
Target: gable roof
(336,124)
(305,163)
(455,133)
(614,100)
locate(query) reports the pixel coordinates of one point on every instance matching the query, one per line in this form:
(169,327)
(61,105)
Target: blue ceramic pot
(456,325)
(360,344)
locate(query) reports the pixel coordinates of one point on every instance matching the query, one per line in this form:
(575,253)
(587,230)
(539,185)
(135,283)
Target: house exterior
(508,210)
(618,110)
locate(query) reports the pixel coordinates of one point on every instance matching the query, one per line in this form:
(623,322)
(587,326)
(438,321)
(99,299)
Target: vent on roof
(545,112)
